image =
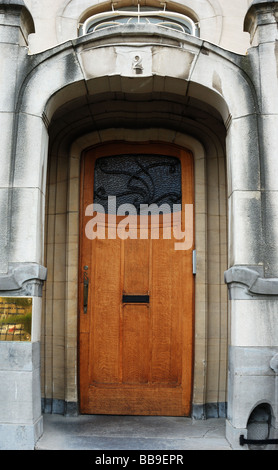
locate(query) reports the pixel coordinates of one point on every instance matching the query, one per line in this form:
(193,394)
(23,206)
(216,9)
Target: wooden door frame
(168,149)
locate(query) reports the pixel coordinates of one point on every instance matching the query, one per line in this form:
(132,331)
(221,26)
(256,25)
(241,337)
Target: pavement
(130,433)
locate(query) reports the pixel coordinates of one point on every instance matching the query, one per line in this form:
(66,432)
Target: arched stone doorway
(196,96)
(90,72)
(135,117)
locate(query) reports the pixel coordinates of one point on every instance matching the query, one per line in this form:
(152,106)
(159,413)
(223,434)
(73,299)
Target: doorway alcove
(135,117)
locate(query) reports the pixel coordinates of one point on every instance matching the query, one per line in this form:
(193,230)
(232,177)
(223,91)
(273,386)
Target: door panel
(136,344)
(135,358)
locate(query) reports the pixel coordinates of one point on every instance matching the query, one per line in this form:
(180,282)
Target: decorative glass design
(140,15)
(137,179)
(121,20)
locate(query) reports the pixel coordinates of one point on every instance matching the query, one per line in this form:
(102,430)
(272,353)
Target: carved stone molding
(260,13)
(274,363)
(248,282)
(23,279)
(18,15)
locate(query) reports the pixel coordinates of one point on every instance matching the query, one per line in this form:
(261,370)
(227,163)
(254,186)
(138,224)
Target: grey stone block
(20,405)
(254,361)
(274,363)
(20,437)
(251,381)
(17,14)
(250,279)
(23,279)
(19,356)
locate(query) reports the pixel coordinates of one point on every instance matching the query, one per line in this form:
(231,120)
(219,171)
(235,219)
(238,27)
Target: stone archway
(184,117)
(215,97)
(238,111)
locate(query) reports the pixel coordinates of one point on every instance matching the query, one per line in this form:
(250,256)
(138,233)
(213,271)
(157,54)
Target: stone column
(261,22)
(15,24)
(253,289)
(20,396)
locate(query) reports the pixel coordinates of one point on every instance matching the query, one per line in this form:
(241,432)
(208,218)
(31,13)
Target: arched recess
(260,424)
(157,117)
(210,99)
(208,13)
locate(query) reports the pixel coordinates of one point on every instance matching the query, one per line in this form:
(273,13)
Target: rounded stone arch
(208,13)
(209,76)
(70,127)
(210,103)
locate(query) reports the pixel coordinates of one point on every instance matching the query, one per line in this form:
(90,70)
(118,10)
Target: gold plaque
(15,318)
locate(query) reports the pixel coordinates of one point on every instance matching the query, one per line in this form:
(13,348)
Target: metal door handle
(85,290)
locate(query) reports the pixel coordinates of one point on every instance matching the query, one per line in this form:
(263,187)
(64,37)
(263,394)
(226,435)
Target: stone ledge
(274,363)
(16,281)
(247,282)
(20,437)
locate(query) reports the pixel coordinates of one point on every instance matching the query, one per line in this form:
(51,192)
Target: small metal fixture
(257,442)
(85,289)
(194,262)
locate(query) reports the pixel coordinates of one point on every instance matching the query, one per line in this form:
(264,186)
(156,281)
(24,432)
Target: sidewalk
(132,433)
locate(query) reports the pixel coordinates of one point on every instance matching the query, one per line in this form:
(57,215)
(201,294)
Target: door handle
(85,290)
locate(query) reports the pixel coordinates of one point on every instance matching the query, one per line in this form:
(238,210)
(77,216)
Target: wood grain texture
(135,358)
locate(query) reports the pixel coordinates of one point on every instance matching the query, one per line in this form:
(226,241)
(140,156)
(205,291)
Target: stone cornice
(24,17)
(245,281)
(260,13)
(19,274)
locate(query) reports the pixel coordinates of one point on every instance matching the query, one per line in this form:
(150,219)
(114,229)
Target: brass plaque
(15,318)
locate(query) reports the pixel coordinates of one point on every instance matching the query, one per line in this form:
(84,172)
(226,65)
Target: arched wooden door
(136,288)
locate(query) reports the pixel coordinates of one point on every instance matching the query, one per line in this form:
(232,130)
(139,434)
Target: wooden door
(135,353)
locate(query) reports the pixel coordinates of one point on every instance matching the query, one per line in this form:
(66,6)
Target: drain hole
(258,427)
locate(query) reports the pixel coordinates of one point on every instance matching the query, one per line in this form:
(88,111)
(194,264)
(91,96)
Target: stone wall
(218,103)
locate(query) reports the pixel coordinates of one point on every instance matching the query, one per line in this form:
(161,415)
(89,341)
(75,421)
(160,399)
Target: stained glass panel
(137,179)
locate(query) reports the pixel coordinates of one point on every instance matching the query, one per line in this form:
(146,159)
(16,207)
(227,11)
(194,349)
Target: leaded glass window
(137,180)
(141,15)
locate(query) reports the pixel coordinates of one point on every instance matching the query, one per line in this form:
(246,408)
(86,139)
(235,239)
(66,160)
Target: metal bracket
(258,442)
(194,262)
(85,289)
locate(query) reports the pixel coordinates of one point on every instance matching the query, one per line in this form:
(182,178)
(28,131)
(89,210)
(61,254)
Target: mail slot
(136,299)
